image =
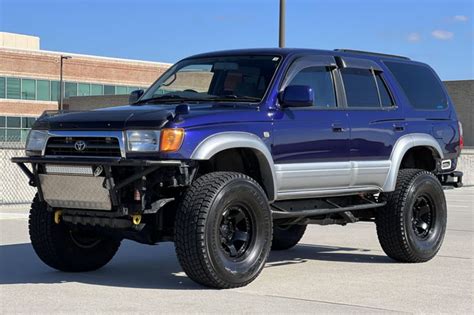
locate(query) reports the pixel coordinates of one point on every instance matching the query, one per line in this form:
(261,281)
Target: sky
(438,32)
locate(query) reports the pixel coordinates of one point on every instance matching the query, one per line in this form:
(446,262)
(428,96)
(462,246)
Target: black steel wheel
(412,225)
(223,230)
(287,236)
(67,248)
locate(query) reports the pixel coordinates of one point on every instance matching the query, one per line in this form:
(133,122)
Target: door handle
(398,127)
(337,127)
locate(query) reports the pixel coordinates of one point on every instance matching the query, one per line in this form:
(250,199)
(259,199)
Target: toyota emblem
(80,145)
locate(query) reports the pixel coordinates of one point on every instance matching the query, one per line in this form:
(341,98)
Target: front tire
(223,230)
(64,248)
(412,225)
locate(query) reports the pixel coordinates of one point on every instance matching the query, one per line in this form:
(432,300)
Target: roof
(284,52)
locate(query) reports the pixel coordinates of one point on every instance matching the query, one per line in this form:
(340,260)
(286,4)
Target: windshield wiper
(168,98)
(233,97)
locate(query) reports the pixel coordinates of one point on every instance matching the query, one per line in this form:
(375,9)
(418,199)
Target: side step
(331,207)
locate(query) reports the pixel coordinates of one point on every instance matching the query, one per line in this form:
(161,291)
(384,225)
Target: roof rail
(371,53)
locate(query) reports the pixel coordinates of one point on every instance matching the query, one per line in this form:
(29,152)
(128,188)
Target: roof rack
(371,53)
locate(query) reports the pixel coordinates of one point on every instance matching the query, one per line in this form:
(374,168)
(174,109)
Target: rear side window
(320,80)
(421,86)
(364,88)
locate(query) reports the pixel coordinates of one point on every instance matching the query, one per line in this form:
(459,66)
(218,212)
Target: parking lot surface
(334,270)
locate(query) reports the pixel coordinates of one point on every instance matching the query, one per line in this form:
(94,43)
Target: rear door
(310,146)
(376,122)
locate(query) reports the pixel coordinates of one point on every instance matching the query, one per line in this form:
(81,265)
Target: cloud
(414,37)
(442,35)
(460,18)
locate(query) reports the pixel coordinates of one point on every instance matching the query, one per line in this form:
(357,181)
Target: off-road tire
(287,236)
(396,225)
(55,246)
(198,227)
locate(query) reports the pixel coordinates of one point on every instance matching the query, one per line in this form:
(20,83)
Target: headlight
(166,140)
(143,140)
(36,142)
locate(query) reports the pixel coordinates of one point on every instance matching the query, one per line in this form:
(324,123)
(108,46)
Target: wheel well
(243,160)
(420,157)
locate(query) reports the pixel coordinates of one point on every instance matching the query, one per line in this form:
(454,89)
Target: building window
(121,90)
(70,89)
(2,87)
(43,90)
(109,89)
(83,89)
(28,89)
(55,91)
(15,129)
(13,88)
(97,89)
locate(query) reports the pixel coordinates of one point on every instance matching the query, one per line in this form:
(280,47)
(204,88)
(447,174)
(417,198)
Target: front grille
(83,146)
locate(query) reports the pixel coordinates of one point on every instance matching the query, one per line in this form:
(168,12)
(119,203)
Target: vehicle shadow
(135,266)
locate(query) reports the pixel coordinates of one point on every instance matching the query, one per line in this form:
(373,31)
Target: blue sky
(438,32)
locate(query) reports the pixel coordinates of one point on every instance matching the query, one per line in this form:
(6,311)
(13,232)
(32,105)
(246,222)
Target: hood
(115,118)
(149,117)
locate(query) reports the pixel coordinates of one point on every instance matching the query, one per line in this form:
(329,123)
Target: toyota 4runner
(231,154)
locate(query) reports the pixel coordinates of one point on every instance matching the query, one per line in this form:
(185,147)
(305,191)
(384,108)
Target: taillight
(461,140)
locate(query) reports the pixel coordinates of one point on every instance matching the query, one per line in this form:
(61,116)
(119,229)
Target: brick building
(29,80)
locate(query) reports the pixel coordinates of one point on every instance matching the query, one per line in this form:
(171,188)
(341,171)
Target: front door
(311,144)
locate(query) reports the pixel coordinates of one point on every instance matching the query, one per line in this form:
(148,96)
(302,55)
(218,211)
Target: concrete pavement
(334,270)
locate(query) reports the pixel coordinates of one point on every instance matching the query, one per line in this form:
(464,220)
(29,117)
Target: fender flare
(401,147)
(219,142)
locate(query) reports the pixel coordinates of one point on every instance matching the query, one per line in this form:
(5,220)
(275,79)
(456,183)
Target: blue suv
(231,154)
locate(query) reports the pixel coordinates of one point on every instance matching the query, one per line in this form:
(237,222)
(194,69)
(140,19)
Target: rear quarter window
(421,86)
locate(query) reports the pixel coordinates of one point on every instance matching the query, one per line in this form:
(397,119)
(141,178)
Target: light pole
(281,42)
(61,83)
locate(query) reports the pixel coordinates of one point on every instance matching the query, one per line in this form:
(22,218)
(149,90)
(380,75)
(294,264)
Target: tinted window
(320,79)
(421,86)
(2,87)
(43,90)
(28,89)
(83,89)
(13,88)
(360,88)
(70,89)
(97,89)
(54,90)
(109,89)
(121,90)
(385,98)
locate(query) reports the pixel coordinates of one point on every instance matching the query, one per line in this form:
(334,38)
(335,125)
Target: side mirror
(135,96)
(297,96)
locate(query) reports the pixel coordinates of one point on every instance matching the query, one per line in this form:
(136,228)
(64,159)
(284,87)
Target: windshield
(230,78)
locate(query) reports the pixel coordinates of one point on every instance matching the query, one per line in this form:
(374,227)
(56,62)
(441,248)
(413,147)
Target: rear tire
(223,230)
(63,248)
(287,236)
(412,225)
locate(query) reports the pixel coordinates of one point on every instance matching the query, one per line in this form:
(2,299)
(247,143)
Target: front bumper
(91,192)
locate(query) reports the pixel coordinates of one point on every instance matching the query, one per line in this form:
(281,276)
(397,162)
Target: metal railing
(14,188)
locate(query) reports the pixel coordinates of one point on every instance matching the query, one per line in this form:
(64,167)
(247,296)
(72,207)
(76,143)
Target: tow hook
(57,216)
(136,219)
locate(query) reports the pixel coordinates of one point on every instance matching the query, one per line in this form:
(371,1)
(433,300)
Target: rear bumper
(453,179)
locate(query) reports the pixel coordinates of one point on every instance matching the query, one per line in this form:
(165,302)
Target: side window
(360,87)
(421,86)
(365,88)
(320,79)
(385,97)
